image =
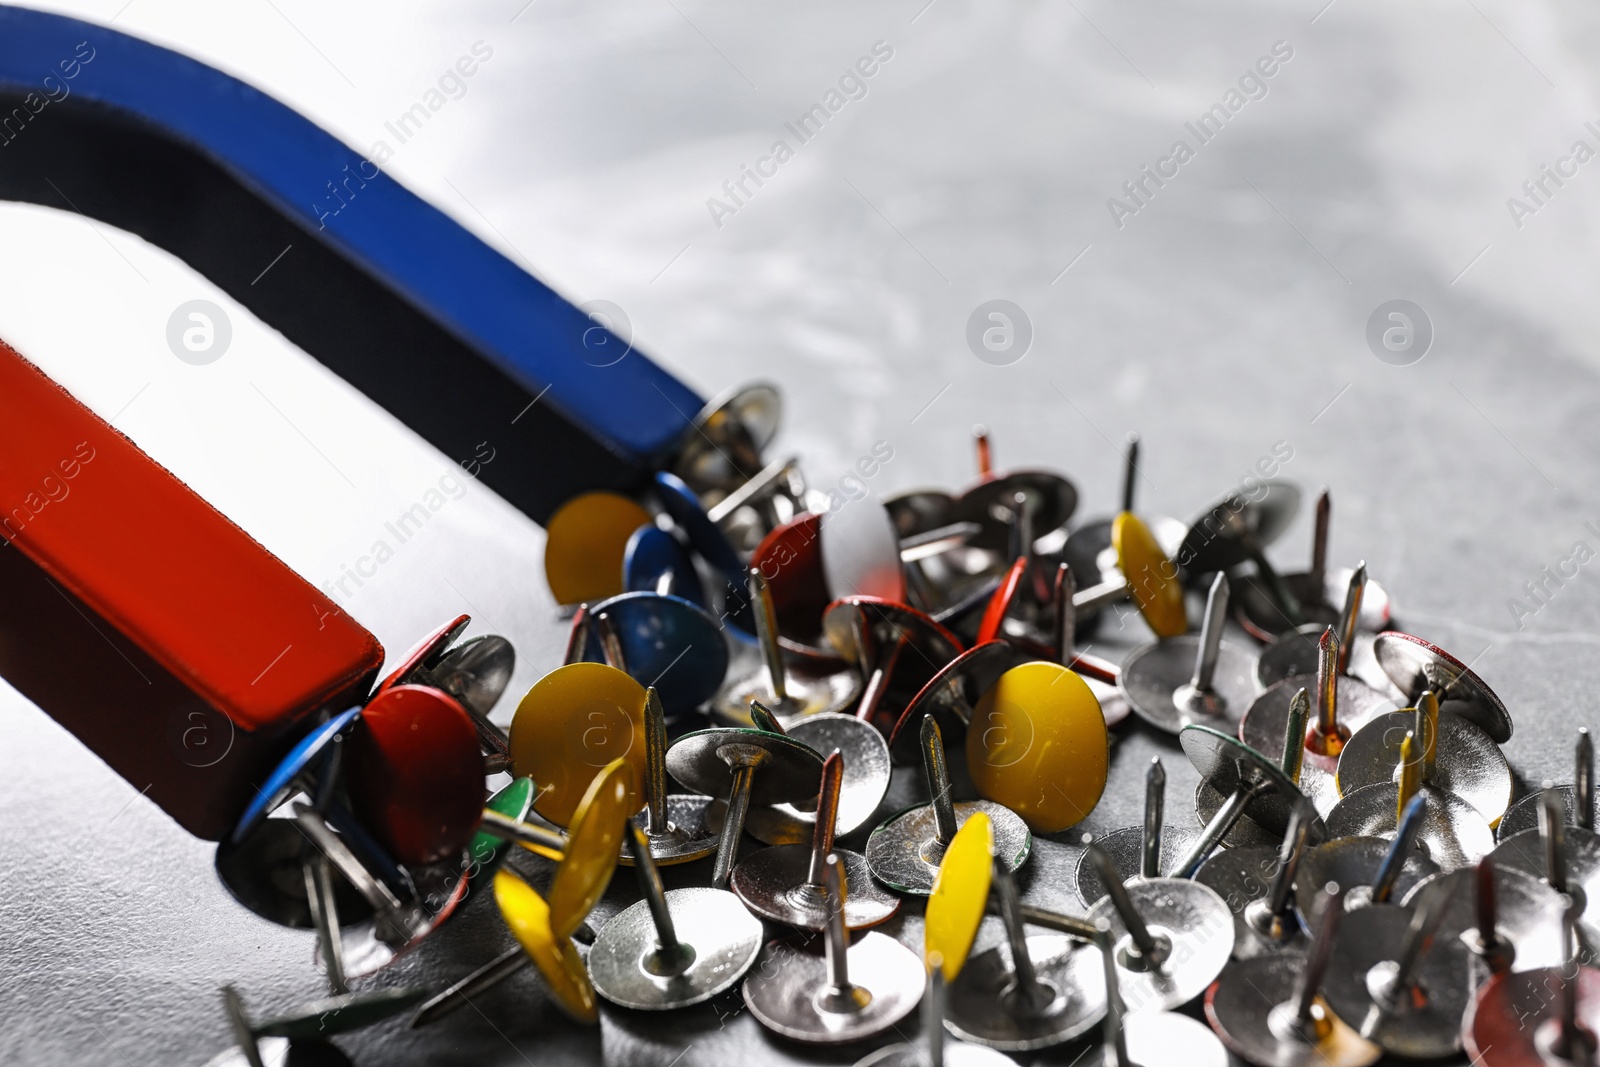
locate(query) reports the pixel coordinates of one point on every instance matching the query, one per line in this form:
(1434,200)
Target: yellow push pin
(960,895)
(1037,744)
(1152,578)
(544,929)
(574,721)
(585,541)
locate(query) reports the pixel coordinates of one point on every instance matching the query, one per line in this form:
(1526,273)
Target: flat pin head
(528,917)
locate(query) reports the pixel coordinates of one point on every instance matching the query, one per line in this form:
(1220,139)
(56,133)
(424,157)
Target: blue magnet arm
(452,337)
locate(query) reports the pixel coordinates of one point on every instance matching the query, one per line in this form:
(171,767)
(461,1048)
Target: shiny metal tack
(905,851)
(1192,679)
(1465,761)
(916,511)
(936,1049)
(1340,707)
(896,649)
(1565,857)
(675,824)
(1153,1038)
(722,446)
(1396,982)
(784,883)
(1508,918)
(1270,1010)
(850,993)
(1171,938)
(866,780)
(991,503)
(664,641)
(1375,870)
(1031,992)
(790,692)
(950,694)
(672,949)
(300,1036)
(747,767)
(1296,651)
(1251,785)
(1258,887)
(1088,548)
(1236,530)
(1315,784)
(1151,850)
(1414,665)
(1524,814)
(1452,834)
(1539,1018)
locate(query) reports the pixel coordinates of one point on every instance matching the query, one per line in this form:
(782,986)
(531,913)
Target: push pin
(1089,549)
(727,437)
(675,824)
(662,641)
(705,537)
(487,850)
(867,772)
(1547,1017)
(1147,1038)
(475,672)
(1457,757)
(853,992)
(1578,798)
(937,1048)
(1236,530)
(1298,651)
(1039,723)
(1032,992)
(544,928)
(1376,871)
(1152,850)
(654,561)
(1192,679)
(572,722)
(789,693)
(1171,937)
(1453,833)
(1396,982)
(896,648)
(1510,920)
(1270,1010)
(1413,665)
(950,694)
(1258,887)
(1150,576)
(301,1036)
(1343,706)
(747,767)
(784,883)
(775,495)
(1292,749)
(1245,783)
(672,949)
(904,853)
(585,543)
(991,501)
(1566,858)
(1316,590)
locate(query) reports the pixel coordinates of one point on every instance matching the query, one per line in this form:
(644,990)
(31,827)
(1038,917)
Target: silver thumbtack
(1149,850)
(1251,784)
(1155,791)
(1188,679)
(904,852)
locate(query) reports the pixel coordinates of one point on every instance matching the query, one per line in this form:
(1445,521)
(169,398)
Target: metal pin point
(904,852)
(1319,541)
(785,883)
(1065,615)
(1132,848)
(610,641)
(980,439)
(852,993)
(672,949)
(1585,781)
(1205,663)
(1172,936)
(1246,783)
(767,636)
(1192,679)
(1294,736)
(1130,472)
(1350,615)
(1329,736)
(1155,793)
(1388,873)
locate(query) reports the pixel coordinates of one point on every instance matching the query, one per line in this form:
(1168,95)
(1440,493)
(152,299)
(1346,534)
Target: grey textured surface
(1225,316)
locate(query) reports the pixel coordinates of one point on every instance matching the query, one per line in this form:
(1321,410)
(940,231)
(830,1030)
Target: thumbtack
(784,883)
(853,992)
(1148,1038)
(1377,871)
(905,851)
(1258,886)
(302,1034)
(1566,858)
(673,948)
(1577,798)
(897,650)
(1151,850)
(1458,757)
(475,672)
(1181,680)
(662,641)
(1236,530)
(1413,666)
(1251,784)
(1089,548)
(1271,1010)
(1508,919)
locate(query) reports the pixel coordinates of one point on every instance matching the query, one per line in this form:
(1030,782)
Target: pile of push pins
(748,662)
